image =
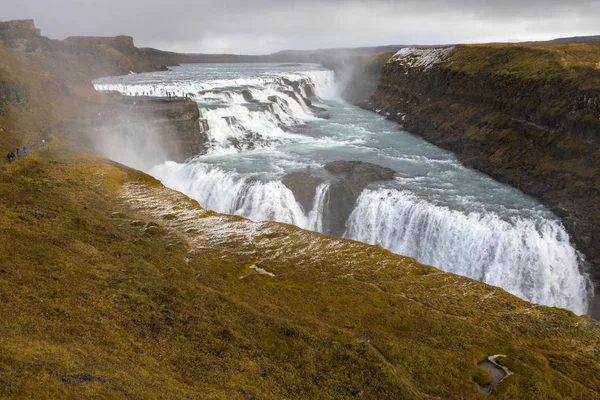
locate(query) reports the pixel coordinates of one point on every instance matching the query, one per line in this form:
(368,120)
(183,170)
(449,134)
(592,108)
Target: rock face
(11,92)
(528,116)
(122,43)
(304,186)
(359,76)
(96,56)
(351,178)
(21,34)
(174,123)
(347,180)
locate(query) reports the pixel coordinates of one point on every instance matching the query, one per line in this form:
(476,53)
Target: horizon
(322,49)
(266,27)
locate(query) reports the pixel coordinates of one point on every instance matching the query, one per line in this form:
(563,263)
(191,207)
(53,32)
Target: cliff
(172,125)
(94,56)
(21,34)
(528,115)
(51,84)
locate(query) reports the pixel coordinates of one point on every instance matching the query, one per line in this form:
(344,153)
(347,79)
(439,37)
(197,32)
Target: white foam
(531,259)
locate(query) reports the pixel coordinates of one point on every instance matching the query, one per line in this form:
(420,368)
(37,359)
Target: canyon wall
(527,115)
(172,125)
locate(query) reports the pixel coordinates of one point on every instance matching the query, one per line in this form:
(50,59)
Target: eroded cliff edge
(527,115)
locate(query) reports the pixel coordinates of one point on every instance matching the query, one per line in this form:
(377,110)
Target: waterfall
(530,259)
(254,120)
(315,216)
(230,193)
(244,113)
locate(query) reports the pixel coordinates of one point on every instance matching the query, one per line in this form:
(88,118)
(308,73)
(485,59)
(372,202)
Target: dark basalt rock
(248,96)
(347,181)
(358,171)
(350,179)
(304,187)
(310,92)
(10,92)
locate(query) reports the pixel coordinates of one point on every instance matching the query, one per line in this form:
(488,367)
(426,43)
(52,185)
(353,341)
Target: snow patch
(492,359)
(411,57)
(261,271)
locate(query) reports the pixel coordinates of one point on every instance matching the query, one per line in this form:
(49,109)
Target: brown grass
(576,64)
(340,317)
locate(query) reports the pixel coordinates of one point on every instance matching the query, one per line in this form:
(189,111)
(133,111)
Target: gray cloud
(264,26)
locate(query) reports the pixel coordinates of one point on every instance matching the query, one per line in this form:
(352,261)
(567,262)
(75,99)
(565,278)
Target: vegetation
(113,286)
(577,64)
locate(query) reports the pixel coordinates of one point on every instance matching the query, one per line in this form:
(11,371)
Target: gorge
(273,132)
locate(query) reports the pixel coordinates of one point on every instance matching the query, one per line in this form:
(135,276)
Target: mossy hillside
(112,286)
(577,65)
(49,91)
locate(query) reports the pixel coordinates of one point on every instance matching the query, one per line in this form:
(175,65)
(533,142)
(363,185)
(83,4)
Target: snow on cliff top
(412,57)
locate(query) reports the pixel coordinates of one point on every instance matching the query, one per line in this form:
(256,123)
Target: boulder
(350,179)
(347,181)
(304,187)
(248,96)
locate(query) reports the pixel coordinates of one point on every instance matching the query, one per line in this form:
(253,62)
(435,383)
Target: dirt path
(45,136)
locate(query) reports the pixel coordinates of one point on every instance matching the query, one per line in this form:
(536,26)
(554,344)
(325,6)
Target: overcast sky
(265,26)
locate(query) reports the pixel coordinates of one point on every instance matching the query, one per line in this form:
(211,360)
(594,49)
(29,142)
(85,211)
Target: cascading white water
(230,193)
(235,123)
(315,216)
(531,259)
(262,126)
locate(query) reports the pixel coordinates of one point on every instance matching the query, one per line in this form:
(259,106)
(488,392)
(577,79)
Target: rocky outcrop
(11,92)
(304,186)
(358,76)
(350,179)
(21,34)
(98,56)
(347,180)
(122,43)
(174,123)
(528,116)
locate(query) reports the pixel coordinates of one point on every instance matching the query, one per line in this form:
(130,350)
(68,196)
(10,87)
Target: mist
(125,133)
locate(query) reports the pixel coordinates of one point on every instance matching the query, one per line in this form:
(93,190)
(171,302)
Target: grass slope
(112,286)
(578,65)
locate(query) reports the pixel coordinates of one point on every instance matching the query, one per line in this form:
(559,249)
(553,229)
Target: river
(263,125)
